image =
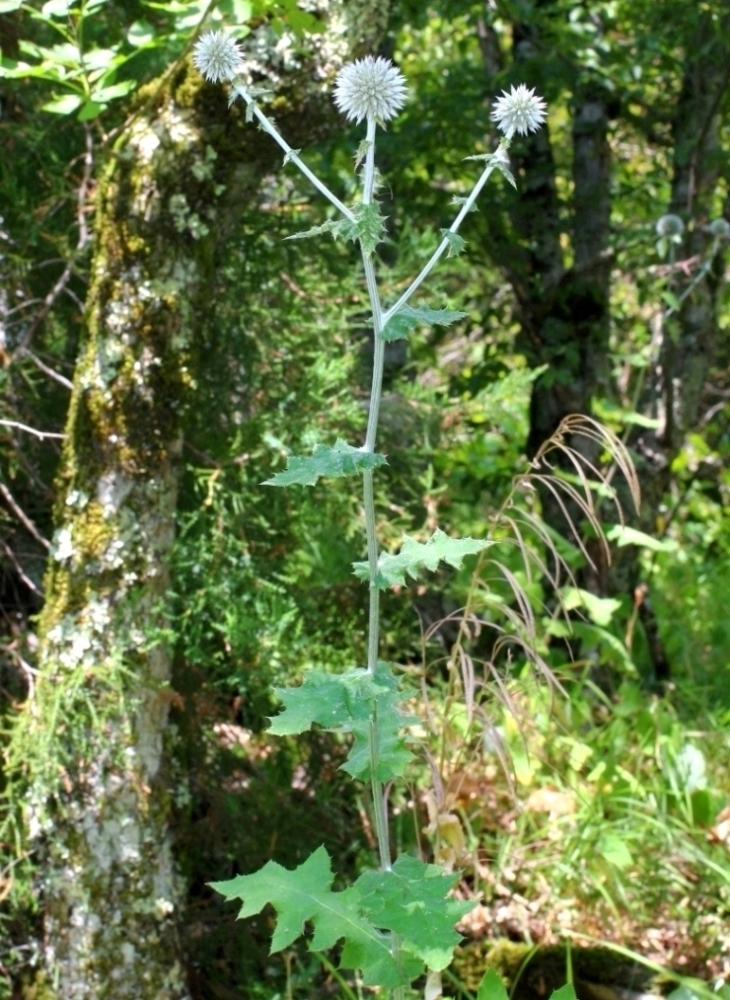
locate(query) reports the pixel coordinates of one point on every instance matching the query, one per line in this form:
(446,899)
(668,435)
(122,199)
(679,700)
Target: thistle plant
(397,921)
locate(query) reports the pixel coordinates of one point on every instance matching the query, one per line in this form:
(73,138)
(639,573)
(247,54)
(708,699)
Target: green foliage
(416,556)
(409,900)
(333,462)
(400,325)
(348,703)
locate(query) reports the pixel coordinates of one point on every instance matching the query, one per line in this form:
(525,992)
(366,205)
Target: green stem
(444,244)
(293,155)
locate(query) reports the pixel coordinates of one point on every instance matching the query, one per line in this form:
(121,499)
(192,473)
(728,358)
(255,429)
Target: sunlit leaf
(411,900)
(492,987)
(400,325)
(333,462)
(303,896)
(415,556)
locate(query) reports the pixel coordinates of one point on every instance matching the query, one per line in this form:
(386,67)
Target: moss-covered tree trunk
(93,741)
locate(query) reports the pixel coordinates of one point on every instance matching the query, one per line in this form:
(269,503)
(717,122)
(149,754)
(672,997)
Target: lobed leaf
(305,894)
(400,325)
(334,701)
(415,556)
(456,243)
(347,703)
(411,900)
(339,460)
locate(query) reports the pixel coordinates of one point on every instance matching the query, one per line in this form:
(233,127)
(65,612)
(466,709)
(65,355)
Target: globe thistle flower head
(370,88)
(217,57)
(670,225)
(719,228)
(519,111)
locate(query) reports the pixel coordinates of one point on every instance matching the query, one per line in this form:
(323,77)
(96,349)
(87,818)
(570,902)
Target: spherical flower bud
(719,228)
(519,111)
(670,225)
(217,57)
(370,88)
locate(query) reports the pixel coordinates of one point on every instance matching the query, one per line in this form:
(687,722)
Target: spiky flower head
(719,228)
(370,88)
(670,225)
(217,56)
(519,111)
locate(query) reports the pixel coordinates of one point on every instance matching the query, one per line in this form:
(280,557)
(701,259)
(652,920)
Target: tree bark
(93,741)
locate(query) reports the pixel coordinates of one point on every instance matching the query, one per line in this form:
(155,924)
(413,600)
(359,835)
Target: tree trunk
(93,741)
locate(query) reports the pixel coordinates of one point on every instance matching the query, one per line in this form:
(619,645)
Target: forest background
(163,349)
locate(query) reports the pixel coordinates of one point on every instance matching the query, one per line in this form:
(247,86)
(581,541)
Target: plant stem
(444,244)
(380,804)
(293,155)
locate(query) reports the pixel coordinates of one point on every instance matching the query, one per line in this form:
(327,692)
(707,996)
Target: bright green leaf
(411,900)
(7,5)
(623,535)
(304,895)
(333,462)
(400,325)
(492,987)
(330,700)
(415,556)
(600,609)
(392,755)
(566,992)
(615,851)
(63,105)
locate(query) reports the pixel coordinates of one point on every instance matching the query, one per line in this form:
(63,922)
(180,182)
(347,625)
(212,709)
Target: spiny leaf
(499,161)
(370,226)
(400,325)
(326,227)
(341,460)
(411,901)
(456,243)
(415,556)
(305,894)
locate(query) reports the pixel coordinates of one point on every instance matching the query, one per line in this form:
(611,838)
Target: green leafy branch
(409,900)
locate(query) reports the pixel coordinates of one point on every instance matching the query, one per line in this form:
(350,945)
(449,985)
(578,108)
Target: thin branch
(22,516)
(31,430)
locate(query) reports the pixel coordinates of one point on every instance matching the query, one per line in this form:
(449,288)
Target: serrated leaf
(415,556)
(411,900)
(361,153)
(333,462)
(370,226)
(330,700)
(392,756)
(347,703)
(456,243)
(492,987)
(306,234)
(400,325)
(305,894)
